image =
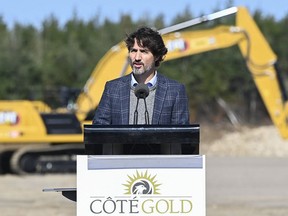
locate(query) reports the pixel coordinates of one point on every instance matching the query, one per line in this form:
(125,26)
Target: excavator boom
(261,62)
(259,57)
(57,135)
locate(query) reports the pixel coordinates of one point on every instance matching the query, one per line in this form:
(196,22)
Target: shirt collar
(153,81)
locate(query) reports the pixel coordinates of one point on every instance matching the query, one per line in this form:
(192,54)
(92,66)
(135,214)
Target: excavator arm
(261,62)
(259,57)
(23,123)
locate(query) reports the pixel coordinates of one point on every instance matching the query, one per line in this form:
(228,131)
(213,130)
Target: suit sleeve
(103,112)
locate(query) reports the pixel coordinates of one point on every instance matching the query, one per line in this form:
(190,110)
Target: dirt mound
(264,141)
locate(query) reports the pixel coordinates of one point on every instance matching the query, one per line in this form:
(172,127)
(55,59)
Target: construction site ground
(246,174)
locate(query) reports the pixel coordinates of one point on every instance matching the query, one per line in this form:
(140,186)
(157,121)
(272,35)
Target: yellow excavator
(36,139)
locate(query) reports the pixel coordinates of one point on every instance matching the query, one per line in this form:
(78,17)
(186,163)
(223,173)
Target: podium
(140,170)
(151,185)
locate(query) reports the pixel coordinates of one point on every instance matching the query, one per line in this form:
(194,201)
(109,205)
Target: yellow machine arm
(259,57)
(26,122)
(261,62)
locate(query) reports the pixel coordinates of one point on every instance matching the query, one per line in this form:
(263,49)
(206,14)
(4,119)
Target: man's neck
(144,78)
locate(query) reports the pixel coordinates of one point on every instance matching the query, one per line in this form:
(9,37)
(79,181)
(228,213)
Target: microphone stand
(135,122)
(146,112)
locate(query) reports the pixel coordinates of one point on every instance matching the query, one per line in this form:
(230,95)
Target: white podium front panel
(141,185)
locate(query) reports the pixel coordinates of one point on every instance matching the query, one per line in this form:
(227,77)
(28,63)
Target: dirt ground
(264,141)
(23,195)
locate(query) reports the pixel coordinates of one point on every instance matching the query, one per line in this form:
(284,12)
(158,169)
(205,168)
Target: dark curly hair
(148,38)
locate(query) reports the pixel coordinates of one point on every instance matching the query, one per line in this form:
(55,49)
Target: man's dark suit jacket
(170,106)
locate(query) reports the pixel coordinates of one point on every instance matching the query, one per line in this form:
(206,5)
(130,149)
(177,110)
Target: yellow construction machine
(36,139)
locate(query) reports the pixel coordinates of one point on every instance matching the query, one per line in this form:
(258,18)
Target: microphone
(141,91)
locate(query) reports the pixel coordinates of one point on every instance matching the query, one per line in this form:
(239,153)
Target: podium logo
(142,183)
(142,197)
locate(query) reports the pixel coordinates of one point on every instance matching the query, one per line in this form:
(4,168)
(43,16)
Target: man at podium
(144,96)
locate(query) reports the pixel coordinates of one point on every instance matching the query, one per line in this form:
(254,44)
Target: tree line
(35,63)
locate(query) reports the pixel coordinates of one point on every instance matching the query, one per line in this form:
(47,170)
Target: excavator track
(46,159)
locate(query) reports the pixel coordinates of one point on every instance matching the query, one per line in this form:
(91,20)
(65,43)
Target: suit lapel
(159,98)
(125,99)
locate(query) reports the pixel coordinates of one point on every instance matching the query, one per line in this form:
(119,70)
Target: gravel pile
(263,141)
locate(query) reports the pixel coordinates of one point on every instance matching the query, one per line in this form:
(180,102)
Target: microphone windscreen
(141,90)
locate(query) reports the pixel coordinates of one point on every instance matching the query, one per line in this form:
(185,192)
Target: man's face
(141,60)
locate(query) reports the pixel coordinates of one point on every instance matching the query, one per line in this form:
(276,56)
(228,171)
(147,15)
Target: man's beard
(138,71)
(142,70)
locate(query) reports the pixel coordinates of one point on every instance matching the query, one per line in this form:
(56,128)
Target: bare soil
(23,195)
(264,141)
